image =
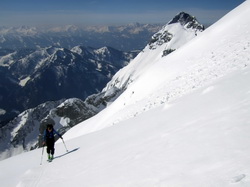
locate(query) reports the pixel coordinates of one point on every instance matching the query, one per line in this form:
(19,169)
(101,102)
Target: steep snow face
(153,80)
(171,37)
(201,139)
(181,143)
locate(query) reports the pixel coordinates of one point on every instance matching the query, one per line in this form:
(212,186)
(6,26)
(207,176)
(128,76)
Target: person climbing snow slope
(49,140)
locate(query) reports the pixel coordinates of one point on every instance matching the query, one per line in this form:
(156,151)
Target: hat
(49,126)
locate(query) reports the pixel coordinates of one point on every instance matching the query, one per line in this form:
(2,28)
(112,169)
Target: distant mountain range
(125,38)
(30,77)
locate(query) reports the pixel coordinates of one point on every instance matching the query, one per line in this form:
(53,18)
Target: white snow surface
(183,121)
(2,111)
(24,81)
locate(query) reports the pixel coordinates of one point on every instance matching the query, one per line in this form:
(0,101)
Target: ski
(49,160)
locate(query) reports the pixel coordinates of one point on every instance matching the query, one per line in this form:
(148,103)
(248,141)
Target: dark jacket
(50,135)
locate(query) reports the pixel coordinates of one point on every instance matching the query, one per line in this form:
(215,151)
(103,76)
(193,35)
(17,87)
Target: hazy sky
(86,12)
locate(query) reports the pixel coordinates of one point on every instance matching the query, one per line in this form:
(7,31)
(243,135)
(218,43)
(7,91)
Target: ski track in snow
(31,177)
(40,175)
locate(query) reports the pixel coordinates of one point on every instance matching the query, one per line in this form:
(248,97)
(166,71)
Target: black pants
(50,145)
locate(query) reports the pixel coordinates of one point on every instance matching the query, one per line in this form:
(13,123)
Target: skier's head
(49,126)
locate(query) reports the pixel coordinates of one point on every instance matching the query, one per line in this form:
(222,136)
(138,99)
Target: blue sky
(95,12)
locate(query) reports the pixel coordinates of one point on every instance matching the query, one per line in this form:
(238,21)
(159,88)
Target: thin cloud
(60,17)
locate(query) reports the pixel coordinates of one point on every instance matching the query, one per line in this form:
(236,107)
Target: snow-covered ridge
(168,39)
(153,80)
(23,30)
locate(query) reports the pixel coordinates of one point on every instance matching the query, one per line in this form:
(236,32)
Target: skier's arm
(58,134)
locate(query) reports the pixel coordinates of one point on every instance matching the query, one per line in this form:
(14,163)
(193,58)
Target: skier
(49,140)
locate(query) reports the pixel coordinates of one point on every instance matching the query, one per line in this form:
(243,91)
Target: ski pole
(65,145)
(42,156)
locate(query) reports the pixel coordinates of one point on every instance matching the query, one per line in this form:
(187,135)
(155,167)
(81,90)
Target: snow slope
(176,144)
(183,122)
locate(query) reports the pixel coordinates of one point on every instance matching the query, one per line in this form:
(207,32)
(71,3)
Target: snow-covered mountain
(31,77)
(177,32)
(62,116)
(182,121)
(125,37)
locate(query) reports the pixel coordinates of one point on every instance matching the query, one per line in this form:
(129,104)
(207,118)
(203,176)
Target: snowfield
(182,122)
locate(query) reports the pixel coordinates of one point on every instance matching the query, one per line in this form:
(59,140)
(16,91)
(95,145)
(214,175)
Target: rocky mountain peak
(175,33)
(187,20)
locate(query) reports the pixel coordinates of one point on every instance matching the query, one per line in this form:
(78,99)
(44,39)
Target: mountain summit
(169,38)
(182,28)
(187,20)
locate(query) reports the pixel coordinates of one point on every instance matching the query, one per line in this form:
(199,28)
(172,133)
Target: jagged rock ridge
(187,20)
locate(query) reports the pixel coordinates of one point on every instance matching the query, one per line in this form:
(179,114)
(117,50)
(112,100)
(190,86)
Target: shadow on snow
(73,150)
